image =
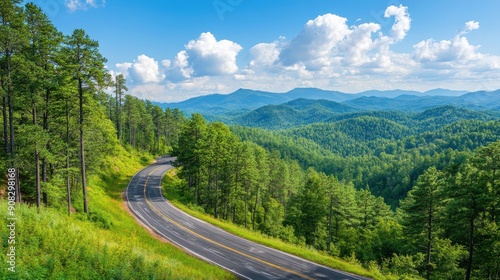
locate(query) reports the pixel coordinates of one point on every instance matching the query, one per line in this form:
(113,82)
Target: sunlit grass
(107,244)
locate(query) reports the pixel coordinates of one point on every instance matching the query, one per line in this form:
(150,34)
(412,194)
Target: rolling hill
(293,113)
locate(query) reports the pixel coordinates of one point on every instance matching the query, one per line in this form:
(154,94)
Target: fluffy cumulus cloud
(327,45)
(206,56)
(455,57)
(142,70)
(264,54)
(74,5)
(146,70)
(401,22)
(327,53)
(314,45)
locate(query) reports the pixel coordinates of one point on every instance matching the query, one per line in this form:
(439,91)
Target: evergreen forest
(411,195)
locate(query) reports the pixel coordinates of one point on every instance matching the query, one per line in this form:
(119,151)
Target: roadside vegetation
(108,243)
(172,186)
(444,227)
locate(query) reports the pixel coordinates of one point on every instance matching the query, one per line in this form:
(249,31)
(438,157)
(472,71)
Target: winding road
(246,259)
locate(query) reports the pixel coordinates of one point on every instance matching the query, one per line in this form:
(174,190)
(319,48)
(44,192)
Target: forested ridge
(386,151)
(407,195)
(438,231)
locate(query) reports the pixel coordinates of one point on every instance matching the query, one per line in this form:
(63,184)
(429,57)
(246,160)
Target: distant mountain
(241,100)
(480,100)
(316,94)
(296,112)
(444,92)
(245,100)
(387,93)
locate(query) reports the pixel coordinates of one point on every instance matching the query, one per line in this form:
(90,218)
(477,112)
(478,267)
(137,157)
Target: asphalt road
(246,259)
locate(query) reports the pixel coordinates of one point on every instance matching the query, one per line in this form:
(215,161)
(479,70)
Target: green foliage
(106,244)
(55,111)
(314,185)
(387,151)
(240,182)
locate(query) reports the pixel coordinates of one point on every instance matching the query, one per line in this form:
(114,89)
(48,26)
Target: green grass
(171,185)
(107,244)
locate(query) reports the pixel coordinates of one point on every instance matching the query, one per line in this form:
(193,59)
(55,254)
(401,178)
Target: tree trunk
(216,212)
(68,189)
(5,126)
(116,114)
(429,241)
(18,187)
(328,247)
(11,109)
(120,126)
(471,248)
(10,102)
(246,205)
(37,160)
(82,148)
(255,207)
(46,128)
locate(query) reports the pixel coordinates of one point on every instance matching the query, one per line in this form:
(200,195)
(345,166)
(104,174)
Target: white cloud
(264,54)
(326,53)
(144,70)
(356,46)
(123,68)
(469,26)
(74,5)
(208,57)
(402,21)
(314,45)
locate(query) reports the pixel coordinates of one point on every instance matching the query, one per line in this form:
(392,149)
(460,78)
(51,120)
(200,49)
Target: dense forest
(414,195)
(445,228)
(384,150)
(65,124)
(62,113)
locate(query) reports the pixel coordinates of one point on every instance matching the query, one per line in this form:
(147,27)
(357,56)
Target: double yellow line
(215,242)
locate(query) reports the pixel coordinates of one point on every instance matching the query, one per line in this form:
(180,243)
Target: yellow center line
(215,242)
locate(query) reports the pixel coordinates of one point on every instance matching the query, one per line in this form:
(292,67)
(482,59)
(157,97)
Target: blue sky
(173,50)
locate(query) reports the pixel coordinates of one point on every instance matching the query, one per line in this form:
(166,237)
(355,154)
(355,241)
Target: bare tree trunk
(37,161)
(5,126)
(68,188)
(46,128)
(82,149)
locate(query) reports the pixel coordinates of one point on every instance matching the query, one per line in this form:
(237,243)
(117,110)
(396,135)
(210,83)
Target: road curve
(246,259)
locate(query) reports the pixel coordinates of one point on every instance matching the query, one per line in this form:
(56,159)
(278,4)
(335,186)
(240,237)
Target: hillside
(363,147)
(293,113)
(106,244)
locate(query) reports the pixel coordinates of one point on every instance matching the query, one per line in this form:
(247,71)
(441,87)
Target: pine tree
(120,88)
(422,207)
(12,40)
(86,66)
(39,54)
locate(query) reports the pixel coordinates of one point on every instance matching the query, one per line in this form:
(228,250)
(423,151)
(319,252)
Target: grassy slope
(50,245)
(171,192)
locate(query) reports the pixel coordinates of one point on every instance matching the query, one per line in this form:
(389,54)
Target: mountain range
(244,101)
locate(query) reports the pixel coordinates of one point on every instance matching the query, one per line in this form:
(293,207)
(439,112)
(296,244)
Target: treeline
(445,229)
(62,112)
